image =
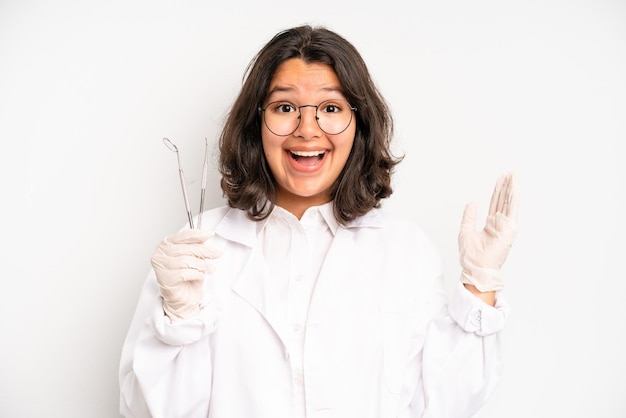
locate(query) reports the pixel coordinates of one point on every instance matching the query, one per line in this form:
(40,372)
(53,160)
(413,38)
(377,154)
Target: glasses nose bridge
(300,117)
(308,105)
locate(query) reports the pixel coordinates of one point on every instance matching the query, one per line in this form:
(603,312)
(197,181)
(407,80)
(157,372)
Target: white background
(477,88)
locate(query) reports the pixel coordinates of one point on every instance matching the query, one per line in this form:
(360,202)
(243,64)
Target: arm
(165,368)
(462,356)
(160,359)
(488,297)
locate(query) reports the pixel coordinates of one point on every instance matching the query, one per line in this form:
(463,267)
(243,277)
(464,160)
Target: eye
(282,107)
(331,107)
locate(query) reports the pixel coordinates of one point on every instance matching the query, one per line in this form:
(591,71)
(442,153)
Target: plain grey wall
(88,89)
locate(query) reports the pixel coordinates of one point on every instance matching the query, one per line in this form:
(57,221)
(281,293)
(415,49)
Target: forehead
(297,77)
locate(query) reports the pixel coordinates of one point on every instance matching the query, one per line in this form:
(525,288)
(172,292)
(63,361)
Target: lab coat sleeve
(156,377)
(462,355)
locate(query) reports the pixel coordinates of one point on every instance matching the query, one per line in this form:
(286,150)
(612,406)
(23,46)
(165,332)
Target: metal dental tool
(173,148)
(204,172)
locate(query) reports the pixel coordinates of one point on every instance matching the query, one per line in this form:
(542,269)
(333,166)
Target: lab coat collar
(327,213)
(324,211)
(236,226)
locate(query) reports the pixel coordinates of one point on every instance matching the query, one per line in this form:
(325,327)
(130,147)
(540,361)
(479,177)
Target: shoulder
(413,265)
(212,217)
(387,223)
(231,224)
(393,233)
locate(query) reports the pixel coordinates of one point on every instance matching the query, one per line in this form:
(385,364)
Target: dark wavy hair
(247,181)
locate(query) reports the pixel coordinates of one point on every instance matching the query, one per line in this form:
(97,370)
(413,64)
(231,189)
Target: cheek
(266,141)
(344,146)
(272,148)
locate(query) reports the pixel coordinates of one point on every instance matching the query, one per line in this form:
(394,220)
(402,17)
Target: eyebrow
(283,89)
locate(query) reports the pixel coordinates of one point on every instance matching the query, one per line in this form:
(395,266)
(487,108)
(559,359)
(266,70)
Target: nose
(308,127)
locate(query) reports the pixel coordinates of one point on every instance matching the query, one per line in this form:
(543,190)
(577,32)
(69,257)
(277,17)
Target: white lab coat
(381,340)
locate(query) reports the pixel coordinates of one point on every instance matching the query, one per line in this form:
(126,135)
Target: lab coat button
(298,380)
(476,319)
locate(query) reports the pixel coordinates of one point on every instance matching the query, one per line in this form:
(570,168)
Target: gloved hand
(180,264)
(482,253)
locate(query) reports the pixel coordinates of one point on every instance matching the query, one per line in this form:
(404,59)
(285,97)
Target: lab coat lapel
(256,287)
(254,284)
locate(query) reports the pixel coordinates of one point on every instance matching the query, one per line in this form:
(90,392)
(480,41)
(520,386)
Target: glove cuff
(183,312)
(485,279)
(183,332)
(473,315)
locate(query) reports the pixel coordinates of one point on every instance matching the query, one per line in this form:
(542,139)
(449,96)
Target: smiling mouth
(304,156)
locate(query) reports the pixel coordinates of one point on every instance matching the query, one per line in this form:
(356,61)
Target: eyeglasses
(282,118)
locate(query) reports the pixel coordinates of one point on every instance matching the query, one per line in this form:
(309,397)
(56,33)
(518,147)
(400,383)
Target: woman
(302,297)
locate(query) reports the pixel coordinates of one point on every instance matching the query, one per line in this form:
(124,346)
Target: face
(308,161)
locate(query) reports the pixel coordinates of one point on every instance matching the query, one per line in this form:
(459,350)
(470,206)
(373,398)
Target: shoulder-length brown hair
(247,181)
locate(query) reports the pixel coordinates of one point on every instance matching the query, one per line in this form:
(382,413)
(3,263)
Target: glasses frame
(261,110)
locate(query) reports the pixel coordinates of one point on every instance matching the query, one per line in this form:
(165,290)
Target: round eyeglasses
(282,118)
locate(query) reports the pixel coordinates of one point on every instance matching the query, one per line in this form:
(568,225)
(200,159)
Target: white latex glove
(180,264)
(482,253)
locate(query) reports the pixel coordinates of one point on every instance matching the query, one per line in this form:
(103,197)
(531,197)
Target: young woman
(302,297)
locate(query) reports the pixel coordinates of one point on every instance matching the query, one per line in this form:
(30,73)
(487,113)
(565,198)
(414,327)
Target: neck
(297,205)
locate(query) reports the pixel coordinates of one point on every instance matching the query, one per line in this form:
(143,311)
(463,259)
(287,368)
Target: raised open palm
(483,252)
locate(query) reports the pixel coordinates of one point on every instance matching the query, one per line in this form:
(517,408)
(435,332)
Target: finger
(185,275)
(195,250)
(189,275)
(495,203)
(512,198)
(181,264)
(468,222)
(190,236)
(503,200)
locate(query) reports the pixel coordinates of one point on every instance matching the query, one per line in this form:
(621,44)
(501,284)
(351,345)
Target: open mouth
(307,157)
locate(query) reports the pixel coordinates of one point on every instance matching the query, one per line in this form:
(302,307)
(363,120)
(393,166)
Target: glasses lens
(334,116)
(283,118)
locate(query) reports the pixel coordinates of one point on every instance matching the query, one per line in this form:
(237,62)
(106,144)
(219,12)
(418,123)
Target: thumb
(190,236)
(468,222)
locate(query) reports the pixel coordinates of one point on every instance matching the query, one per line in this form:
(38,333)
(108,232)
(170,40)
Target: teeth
(307,153)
